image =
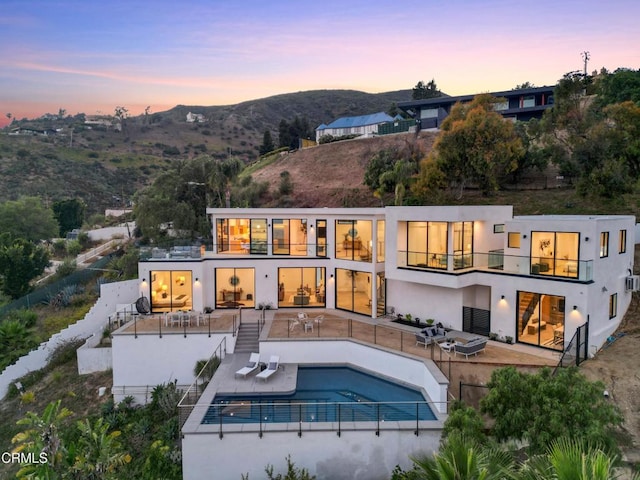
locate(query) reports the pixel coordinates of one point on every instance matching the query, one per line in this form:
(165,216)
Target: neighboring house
(100,120)
(360,125)
(523,104)
(473,268)
(195,118)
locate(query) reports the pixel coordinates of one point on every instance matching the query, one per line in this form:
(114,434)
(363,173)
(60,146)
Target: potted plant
(429,321)
(417,320)
(408,317)
(508,339)
(493,336)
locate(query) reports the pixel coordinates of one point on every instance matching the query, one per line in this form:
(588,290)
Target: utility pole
(585,57)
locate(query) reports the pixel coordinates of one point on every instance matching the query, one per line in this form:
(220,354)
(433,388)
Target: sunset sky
(88,56)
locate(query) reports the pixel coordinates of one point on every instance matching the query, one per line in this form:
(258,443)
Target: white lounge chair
(274,363)
(254,363)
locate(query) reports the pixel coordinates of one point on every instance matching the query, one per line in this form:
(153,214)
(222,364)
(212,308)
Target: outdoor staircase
(248,335)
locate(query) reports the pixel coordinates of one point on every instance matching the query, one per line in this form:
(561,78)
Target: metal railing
(263,417)
(158,324)
(191,396)
(497,261)
(576,351)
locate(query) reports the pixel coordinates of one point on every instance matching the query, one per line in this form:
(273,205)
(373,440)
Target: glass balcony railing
(496,260)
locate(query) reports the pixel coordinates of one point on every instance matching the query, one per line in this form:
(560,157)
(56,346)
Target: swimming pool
(325,394)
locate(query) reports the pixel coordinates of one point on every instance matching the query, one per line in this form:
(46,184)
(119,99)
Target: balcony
(497,261)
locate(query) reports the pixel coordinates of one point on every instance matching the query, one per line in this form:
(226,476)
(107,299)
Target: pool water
(325,394)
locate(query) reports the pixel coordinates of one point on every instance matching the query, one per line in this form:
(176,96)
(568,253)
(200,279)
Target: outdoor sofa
(430,334)
(472,347)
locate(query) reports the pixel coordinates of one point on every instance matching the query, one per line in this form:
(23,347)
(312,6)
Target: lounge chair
(274,363)
(472,347)
(250,367)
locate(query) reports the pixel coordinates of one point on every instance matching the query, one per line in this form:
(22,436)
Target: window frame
(604,244)
(622,241)
(512,235)
(613,305)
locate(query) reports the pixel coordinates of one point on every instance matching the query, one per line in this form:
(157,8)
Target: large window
(171,290)
(290,236)
(462,245)
(233,235)
(541,319)
(354,240)
(427,244)
(353,291)
(301,287)
(258,243)
(235,287)
(555,253)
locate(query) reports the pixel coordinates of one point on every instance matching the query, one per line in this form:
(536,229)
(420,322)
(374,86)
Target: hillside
(331,175)
(105,167)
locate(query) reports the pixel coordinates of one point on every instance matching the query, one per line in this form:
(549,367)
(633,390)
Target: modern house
(473,268)
(545,281)
(522,104)
(358,125)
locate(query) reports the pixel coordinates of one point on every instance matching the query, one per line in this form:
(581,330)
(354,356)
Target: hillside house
(359,125)
(195,118)
(522,104)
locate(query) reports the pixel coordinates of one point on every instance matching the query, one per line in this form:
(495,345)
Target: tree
(538,408)
(620,86)
(461,458)
(290,133)
(121,113)
(267,143)
(286,184)
(42,436)
(423,90)
(524,86)
(477,146)
(27,218)
(570,459)
(62,112)
(98,452)
(69,214)
(15,341)
(20,262)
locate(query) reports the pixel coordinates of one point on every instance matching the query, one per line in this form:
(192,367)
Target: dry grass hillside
(331,175)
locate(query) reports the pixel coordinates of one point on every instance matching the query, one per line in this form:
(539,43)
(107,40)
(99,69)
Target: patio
(381,331)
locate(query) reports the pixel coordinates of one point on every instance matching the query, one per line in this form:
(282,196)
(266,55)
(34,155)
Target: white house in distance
(195,118)
(359,125)
(473,268)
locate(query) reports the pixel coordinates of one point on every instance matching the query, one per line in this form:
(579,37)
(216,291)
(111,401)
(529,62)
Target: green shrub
(27,317)
(66,268)
(74,248)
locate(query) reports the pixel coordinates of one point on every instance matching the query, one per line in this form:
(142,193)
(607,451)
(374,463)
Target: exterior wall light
(575,307)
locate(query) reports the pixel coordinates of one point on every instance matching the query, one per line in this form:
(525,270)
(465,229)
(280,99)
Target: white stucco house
(546,281)
(474,268)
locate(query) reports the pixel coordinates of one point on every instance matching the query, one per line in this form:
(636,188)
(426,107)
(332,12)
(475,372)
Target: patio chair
(422,340)
(274,363)
(319,319)
(250,367)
